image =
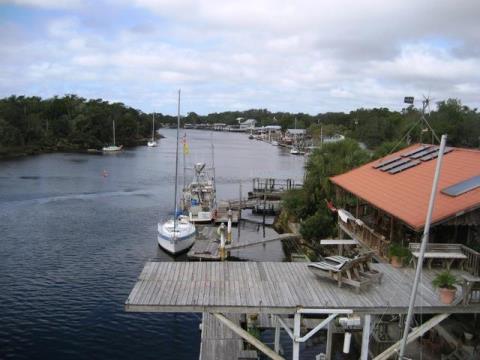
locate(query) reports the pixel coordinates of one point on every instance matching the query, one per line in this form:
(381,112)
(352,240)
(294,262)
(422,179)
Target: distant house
(247,124)
(296,132)
(388,198)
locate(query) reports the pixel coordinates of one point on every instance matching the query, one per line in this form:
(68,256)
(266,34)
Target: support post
(365,336)
(277,335)
(417,332)
(296,335)
(245,335)
(328,351)
(229,227)
(222,241)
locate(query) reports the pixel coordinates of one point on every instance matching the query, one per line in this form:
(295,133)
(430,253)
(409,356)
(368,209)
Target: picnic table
(445,253)
(470,284)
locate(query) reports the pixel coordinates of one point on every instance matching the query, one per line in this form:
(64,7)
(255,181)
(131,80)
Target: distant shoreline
(31,150)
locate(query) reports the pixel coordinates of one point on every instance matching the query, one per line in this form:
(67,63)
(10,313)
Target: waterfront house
(388,198)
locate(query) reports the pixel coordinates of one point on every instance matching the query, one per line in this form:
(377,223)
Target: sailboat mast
(113,132)
(153,127)
(213,165)
(184,163)
(176,167)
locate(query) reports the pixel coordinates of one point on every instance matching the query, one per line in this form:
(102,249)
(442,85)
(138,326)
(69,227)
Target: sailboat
(152,143)
(112,148)
(178,234)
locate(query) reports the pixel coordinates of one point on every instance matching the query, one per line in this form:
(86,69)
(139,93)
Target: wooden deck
(275,288)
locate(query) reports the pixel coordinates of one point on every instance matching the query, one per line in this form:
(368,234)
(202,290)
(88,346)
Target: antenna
(426,105)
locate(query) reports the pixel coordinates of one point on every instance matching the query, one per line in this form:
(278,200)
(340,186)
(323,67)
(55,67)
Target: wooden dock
(206,244)
(275,288)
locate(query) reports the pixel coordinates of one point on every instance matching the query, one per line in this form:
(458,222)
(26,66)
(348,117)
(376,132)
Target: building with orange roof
(389,197)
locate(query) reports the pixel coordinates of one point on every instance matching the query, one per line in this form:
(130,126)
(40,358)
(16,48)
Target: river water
(72,243)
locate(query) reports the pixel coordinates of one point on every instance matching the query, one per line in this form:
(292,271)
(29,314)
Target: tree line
(373,127)
(68,123)
(74,123)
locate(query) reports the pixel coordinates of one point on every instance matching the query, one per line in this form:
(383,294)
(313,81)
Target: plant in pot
(397,254)
(445,282)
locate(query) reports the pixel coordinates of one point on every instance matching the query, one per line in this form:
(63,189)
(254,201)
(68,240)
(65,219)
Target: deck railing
(472,264)
(368,236)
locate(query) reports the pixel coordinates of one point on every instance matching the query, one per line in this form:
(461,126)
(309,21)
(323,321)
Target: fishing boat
(114,147)
(152,143)
(199,196)
(178,234)
(296,151)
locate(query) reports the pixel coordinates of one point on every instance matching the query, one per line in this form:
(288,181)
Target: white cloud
(48,4)
(295,56)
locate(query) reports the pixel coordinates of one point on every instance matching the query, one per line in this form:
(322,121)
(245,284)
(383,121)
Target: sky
(298,56)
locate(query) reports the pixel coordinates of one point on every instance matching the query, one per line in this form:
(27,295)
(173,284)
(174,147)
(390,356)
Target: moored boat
(178,234)
(114,147)
(152,143)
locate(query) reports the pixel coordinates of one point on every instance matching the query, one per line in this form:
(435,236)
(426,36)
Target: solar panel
(386,162)
(394,164)
(405,166)
(462,187)
(416,150)
(424,152)
(434,155)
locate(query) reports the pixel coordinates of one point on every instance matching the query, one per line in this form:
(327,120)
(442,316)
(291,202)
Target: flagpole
(423,246)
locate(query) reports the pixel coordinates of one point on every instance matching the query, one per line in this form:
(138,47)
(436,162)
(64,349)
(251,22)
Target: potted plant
(397,253)
(445,282)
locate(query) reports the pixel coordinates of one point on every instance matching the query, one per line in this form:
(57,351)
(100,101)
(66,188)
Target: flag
(186,149)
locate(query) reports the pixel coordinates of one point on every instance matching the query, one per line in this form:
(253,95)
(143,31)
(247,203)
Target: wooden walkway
(206,246)
(218,342)
(254,242)
(275,288)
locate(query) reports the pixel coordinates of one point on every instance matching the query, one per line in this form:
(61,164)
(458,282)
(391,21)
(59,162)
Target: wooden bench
(446,253)
(344,270)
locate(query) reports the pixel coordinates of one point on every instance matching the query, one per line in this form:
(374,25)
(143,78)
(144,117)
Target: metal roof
(405,194)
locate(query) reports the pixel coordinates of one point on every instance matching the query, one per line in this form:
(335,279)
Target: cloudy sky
(300,56)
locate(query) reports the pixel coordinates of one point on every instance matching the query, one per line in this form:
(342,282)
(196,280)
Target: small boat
(152,143)
(112,148)
(296,151)
(274,143)
(178,234)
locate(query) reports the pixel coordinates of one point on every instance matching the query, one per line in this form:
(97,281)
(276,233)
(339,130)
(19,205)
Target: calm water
(72,243)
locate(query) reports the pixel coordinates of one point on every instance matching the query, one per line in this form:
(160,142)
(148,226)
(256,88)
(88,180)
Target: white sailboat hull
(152,144)
(178,240)
(112,148)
